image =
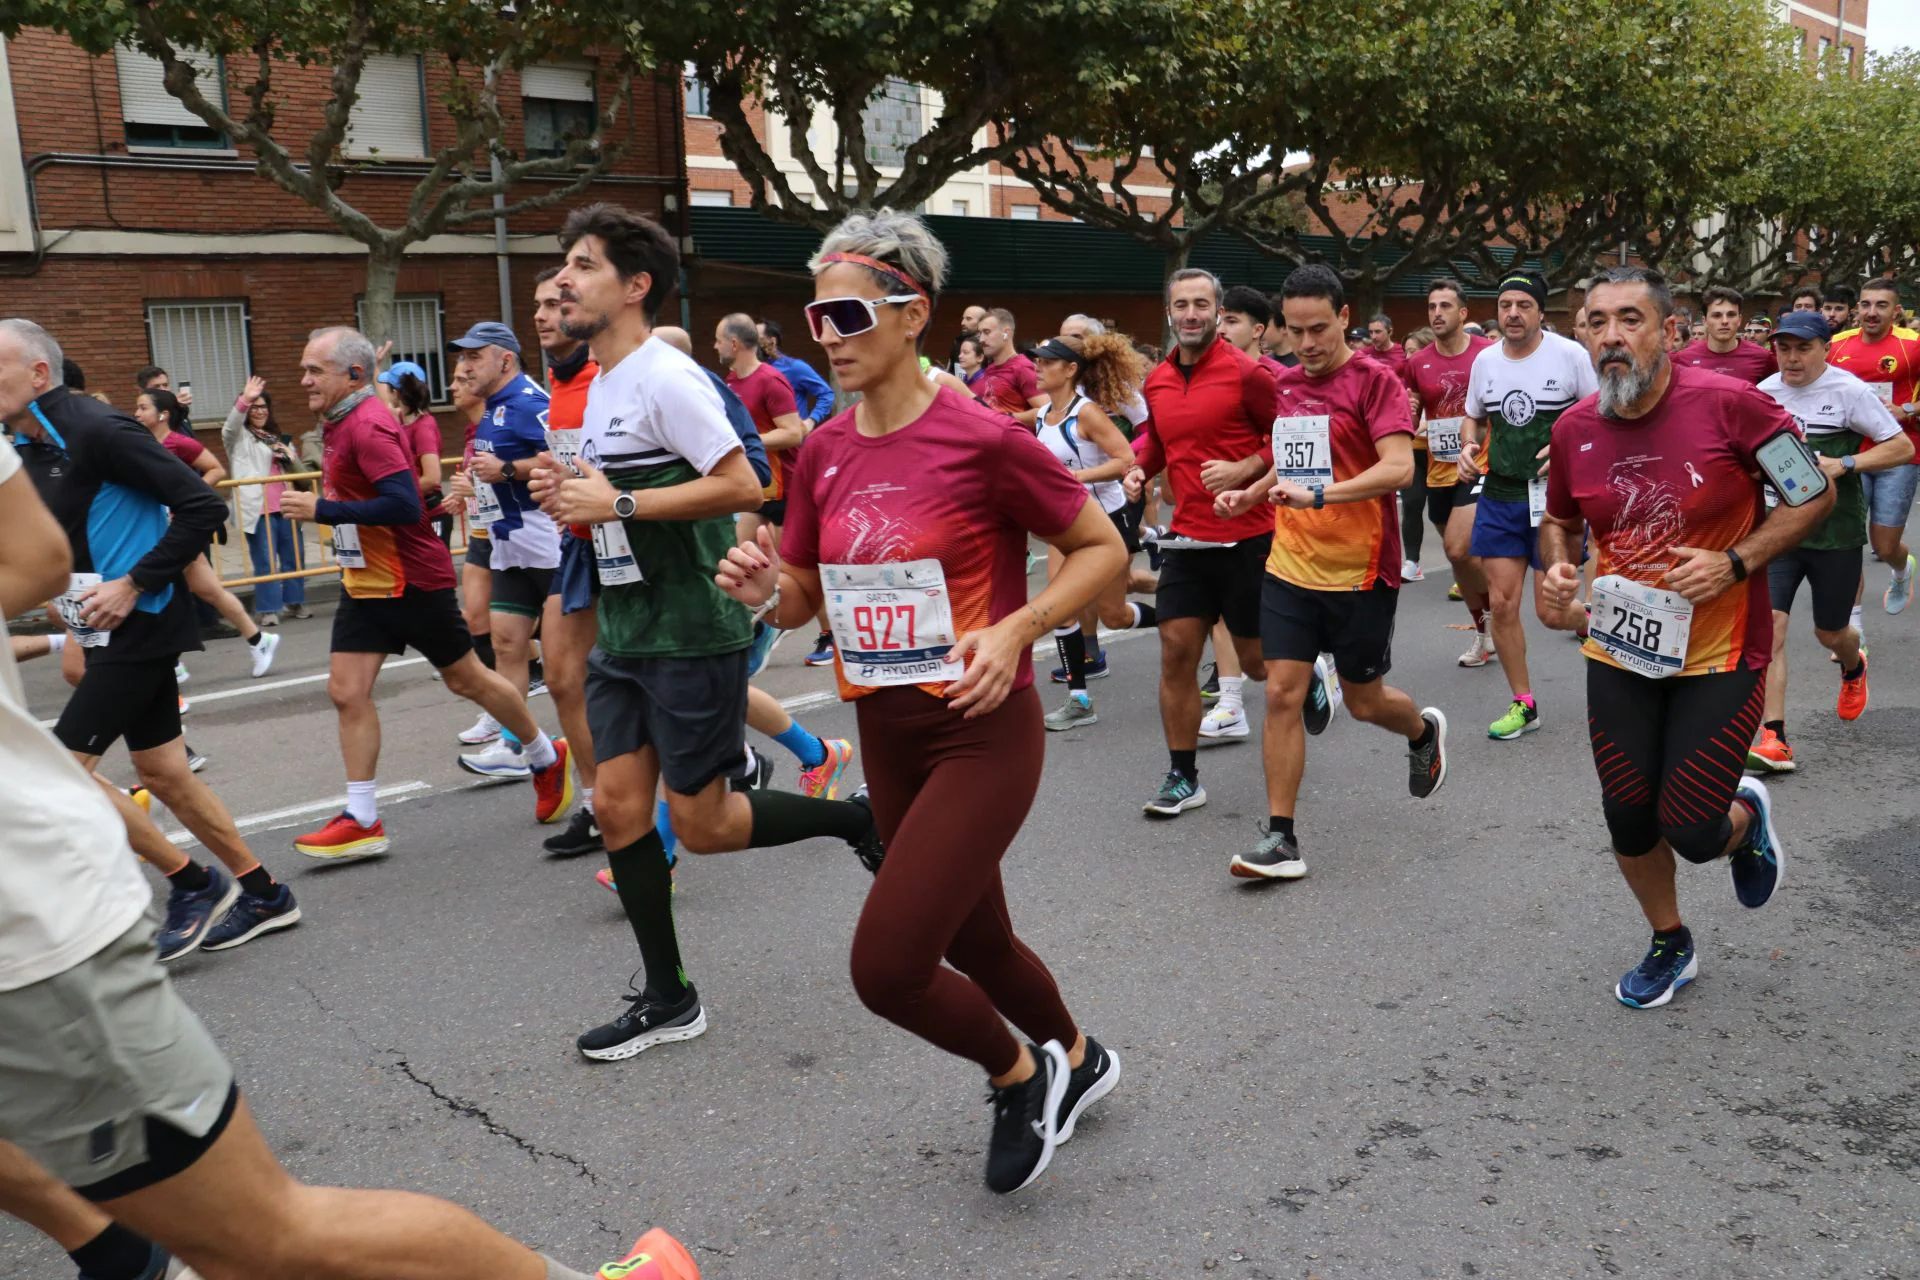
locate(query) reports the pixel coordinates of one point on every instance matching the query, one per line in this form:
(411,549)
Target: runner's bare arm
(1561,581)
(34,556)
(1701,575)
(788,431)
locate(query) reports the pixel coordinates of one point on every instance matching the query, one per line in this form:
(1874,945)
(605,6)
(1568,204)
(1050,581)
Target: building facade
(1828,26)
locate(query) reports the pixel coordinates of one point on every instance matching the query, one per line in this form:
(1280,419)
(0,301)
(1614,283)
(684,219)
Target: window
(961,209)
(558,101)
(154,117)
(417,336)
(710,199)
(696,91)
(389,118)
(1024,213)
(894,119)
(204,343)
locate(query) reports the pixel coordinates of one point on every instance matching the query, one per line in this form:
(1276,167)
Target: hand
(184,395)
(1233,502)
(992,656)
(583,499)
(107,605)
(544,475)
(1285,493)
(1219,475)
(1832,468)
(1542,455)
(751,571)
(1469,457)
(380,356)
(298,504)
(1700,575)
(1560,585)
(255,388)
(1133,483)
(487,468)
(459,487)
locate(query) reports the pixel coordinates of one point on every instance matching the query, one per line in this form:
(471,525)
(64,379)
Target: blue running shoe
(822,652)
(1759,864)
(1671,963)
(765,639)
(191,915)
(252,916)
(1096,670)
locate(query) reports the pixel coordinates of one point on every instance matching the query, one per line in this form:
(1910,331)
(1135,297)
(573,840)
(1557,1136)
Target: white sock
(1854,621)
(540,752)
(1137,615)
(361,804)
(1901,574)
(586,799)
(1230,691)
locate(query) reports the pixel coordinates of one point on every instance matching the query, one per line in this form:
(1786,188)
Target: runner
(1887,358)
(403,385)
(1380,345)
(1836,306)
(1808,298)
(1414,498)
(1343,438)
(1855,435)
(1722,350)
(1006,384)
(524,543)
(916,486)
(667,679)
(810,390)
(1661,467)
(776,414)
(1517,391)
(476,566)
(397,593)
(1079,379)
(1437,378)
(1211,411)
(135,518)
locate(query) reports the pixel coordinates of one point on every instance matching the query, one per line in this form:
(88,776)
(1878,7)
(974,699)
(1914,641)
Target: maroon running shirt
(767,395)
(1747,362)
(1008,387)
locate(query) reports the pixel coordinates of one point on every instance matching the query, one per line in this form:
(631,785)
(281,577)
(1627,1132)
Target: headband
(885,268)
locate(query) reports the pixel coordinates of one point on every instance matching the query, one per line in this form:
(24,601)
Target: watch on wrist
(1319,497)
(623,506)
(1739,565)
(509,472)
(1847,463)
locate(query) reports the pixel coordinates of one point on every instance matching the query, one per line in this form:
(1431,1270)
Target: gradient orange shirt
(1349,546)
(1440,381)
(1890,367)
(1682,476)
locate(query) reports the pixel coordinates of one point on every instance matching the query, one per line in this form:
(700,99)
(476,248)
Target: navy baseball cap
(489,333)
(1810,325)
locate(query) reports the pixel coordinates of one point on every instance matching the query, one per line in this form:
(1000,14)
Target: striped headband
(886,268)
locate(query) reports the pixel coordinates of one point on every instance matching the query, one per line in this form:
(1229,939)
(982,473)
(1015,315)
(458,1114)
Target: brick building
(138,235)
(1827,26)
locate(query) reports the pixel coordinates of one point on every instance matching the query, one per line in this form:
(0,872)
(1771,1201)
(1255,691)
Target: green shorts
(106,1077)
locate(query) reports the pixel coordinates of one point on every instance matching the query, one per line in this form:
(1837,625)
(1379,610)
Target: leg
(1378,702)
(1467,570)
(205,583)
(1413,504)
(476,595)
(1506,581)
(1710,720)
(1181,640)
(294,590)
(512,646)
(493,694)
(163,771)
(266,595)
(1651,878)
(1624,722)
(1283,742)
(568,638)
(1776,705)
(45,1203)
(350,678)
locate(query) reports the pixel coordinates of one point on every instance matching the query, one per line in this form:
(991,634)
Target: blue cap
(489,333)
(1810,325)
(399,370)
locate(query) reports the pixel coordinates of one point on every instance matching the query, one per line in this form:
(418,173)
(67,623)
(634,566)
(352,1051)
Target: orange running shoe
(553,785)
(1771,754)
(654,1256)
(1853,693)
(343,837)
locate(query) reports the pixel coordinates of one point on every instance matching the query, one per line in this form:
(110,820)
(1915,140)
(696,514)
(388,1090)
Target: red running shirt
(767,395)
(362,449)
(1440,380)
(1221,407)
(1749,362)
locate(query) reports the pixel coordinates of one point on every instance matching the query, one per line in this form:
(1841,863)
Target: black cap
(1057,349)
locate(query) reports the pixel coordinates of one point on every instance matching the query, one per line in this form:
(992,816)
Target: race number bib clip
(893,622)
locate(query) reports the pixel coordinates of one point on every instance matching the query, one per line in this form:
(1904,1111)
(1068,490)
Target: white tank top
(1077,453)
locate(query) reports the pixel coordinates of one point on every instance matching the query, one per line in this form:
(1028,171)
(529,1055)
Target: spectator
(256,448)
(153,377)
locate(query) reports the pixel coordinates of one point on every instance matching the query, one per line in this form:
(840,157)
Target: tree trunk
(383,282)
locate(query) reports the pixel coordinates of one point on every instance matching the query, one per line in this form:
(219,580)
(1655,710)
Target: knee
(1285,696)
(1633,829)
(624,818)
(1116,617)
(1698,841)
(885,986)
(566,681)
(347,698)
(697,827)
(1365,702)
(165,779)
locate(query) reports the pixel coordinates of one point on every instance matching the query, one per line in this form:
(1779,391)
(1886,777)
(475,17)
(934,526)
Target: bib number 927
(884,628)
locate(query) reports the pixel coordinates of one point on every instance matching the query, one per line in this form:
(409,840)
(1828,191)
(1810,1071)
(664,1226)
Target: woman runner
(908,517)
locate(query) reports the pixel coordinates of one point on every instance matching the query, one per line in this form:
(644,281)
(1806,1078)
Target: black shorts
(520,591)
(1833,579)
(576,581)
(1298,625)
(479,551)
(1670,754)
(691,711)
(1442,501)
(1219,584)
(1127,521)
(429,621)
(138,701)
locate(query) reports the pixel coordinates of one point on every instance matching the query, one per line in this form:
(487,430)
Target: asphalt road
(1409,1064)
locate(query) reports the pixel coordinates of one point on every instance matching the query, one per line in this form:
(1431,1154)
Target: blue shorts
(1890,494)
(1504,530)
(575,581)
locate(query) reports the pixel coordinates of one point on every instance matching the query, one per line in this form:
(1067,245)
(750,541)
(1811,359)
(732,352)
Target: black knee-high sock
(1144,618)
(114,1254)
(483,645)
(1072,643)
(783,817)
(646,892)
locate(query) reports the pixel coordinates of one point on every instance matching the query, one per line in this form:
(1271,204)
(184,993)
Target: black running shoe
(646,1023)
(870,848)
(1276,857)
(759,775)
(1317,712)
(581,837)
(159,1262)
(1087,1083)
(1427,766)
(1210,687)
(1025,1128)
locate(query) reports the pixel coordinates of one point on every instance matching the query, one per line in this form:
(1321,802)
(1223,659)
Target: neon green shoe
(1520,718)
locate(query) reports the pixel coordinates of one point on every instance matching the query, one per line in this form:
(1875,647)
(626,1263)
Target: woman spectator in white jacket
(256,448)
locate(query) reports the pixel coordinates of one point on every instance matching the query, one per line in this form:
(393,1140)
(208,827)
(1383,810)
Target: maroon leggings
(949,795)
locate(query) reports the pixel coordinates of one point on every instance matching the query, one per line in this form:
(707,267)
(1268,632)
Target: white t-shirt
(1549,379)
(1834,401)
(69,883)
(655,406)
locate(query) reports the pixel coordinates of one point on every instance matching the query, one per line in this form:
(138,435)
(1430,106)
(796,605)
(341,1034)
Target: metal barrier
(317,564)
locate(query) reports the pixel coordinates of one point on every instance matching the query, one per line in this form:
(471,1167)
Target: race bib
(893,623)
(346,547)
(564,446)
(1642,628)
(1883,392)
(1303,449)
(1536,500)
(613,556)
(68,607)
(483,508)
(1443,438)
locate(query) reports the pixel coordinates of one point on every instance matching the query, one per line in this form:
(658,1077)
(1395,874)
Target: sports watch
(624,506)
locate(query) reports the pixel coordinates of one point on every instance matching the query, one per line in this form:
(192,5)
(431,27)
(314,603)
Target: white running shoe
(263,653)
(180,673)
(1222,721)
(484,730)
(1410,571)
(1480,652)
(500,761)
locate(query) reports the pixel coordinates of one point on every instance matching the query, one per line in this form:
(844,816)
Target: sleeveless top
(1077,453)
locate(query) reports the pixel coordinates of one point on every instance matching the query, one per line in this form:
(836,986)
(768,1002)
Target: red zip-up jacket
(1222,407)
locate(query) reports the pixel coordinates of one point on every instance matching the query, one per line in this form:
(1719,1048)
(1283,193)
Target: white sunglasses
(850,316)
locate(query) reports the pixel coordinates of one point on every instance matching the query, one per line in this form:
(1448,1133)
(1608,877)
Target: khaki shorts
(106,1077)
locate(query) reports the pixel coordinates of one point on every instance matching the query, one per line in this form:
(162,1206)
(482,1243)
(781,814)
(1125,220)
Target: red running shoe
(654,1256)
(553,785)
(343,838)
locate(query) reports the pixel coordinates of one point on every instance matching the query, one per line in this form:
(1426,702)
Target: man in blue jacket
(809,388)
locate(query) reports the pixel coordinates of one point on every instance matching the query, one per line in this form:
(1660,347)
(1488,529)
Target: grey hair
(897,239)
(739,326)
(1193,273)
(1093,327)
(350,347)
(1657,287)
(40,345)
(1381,317)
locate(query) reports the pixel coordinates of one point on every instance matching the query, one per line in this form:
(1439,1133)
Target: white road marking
(241,691)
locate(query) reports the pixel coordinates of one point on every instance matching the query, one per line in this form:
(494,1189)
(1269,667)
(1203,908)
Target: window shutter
(143,92)
(204,343)
(563,83)
(388,120)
